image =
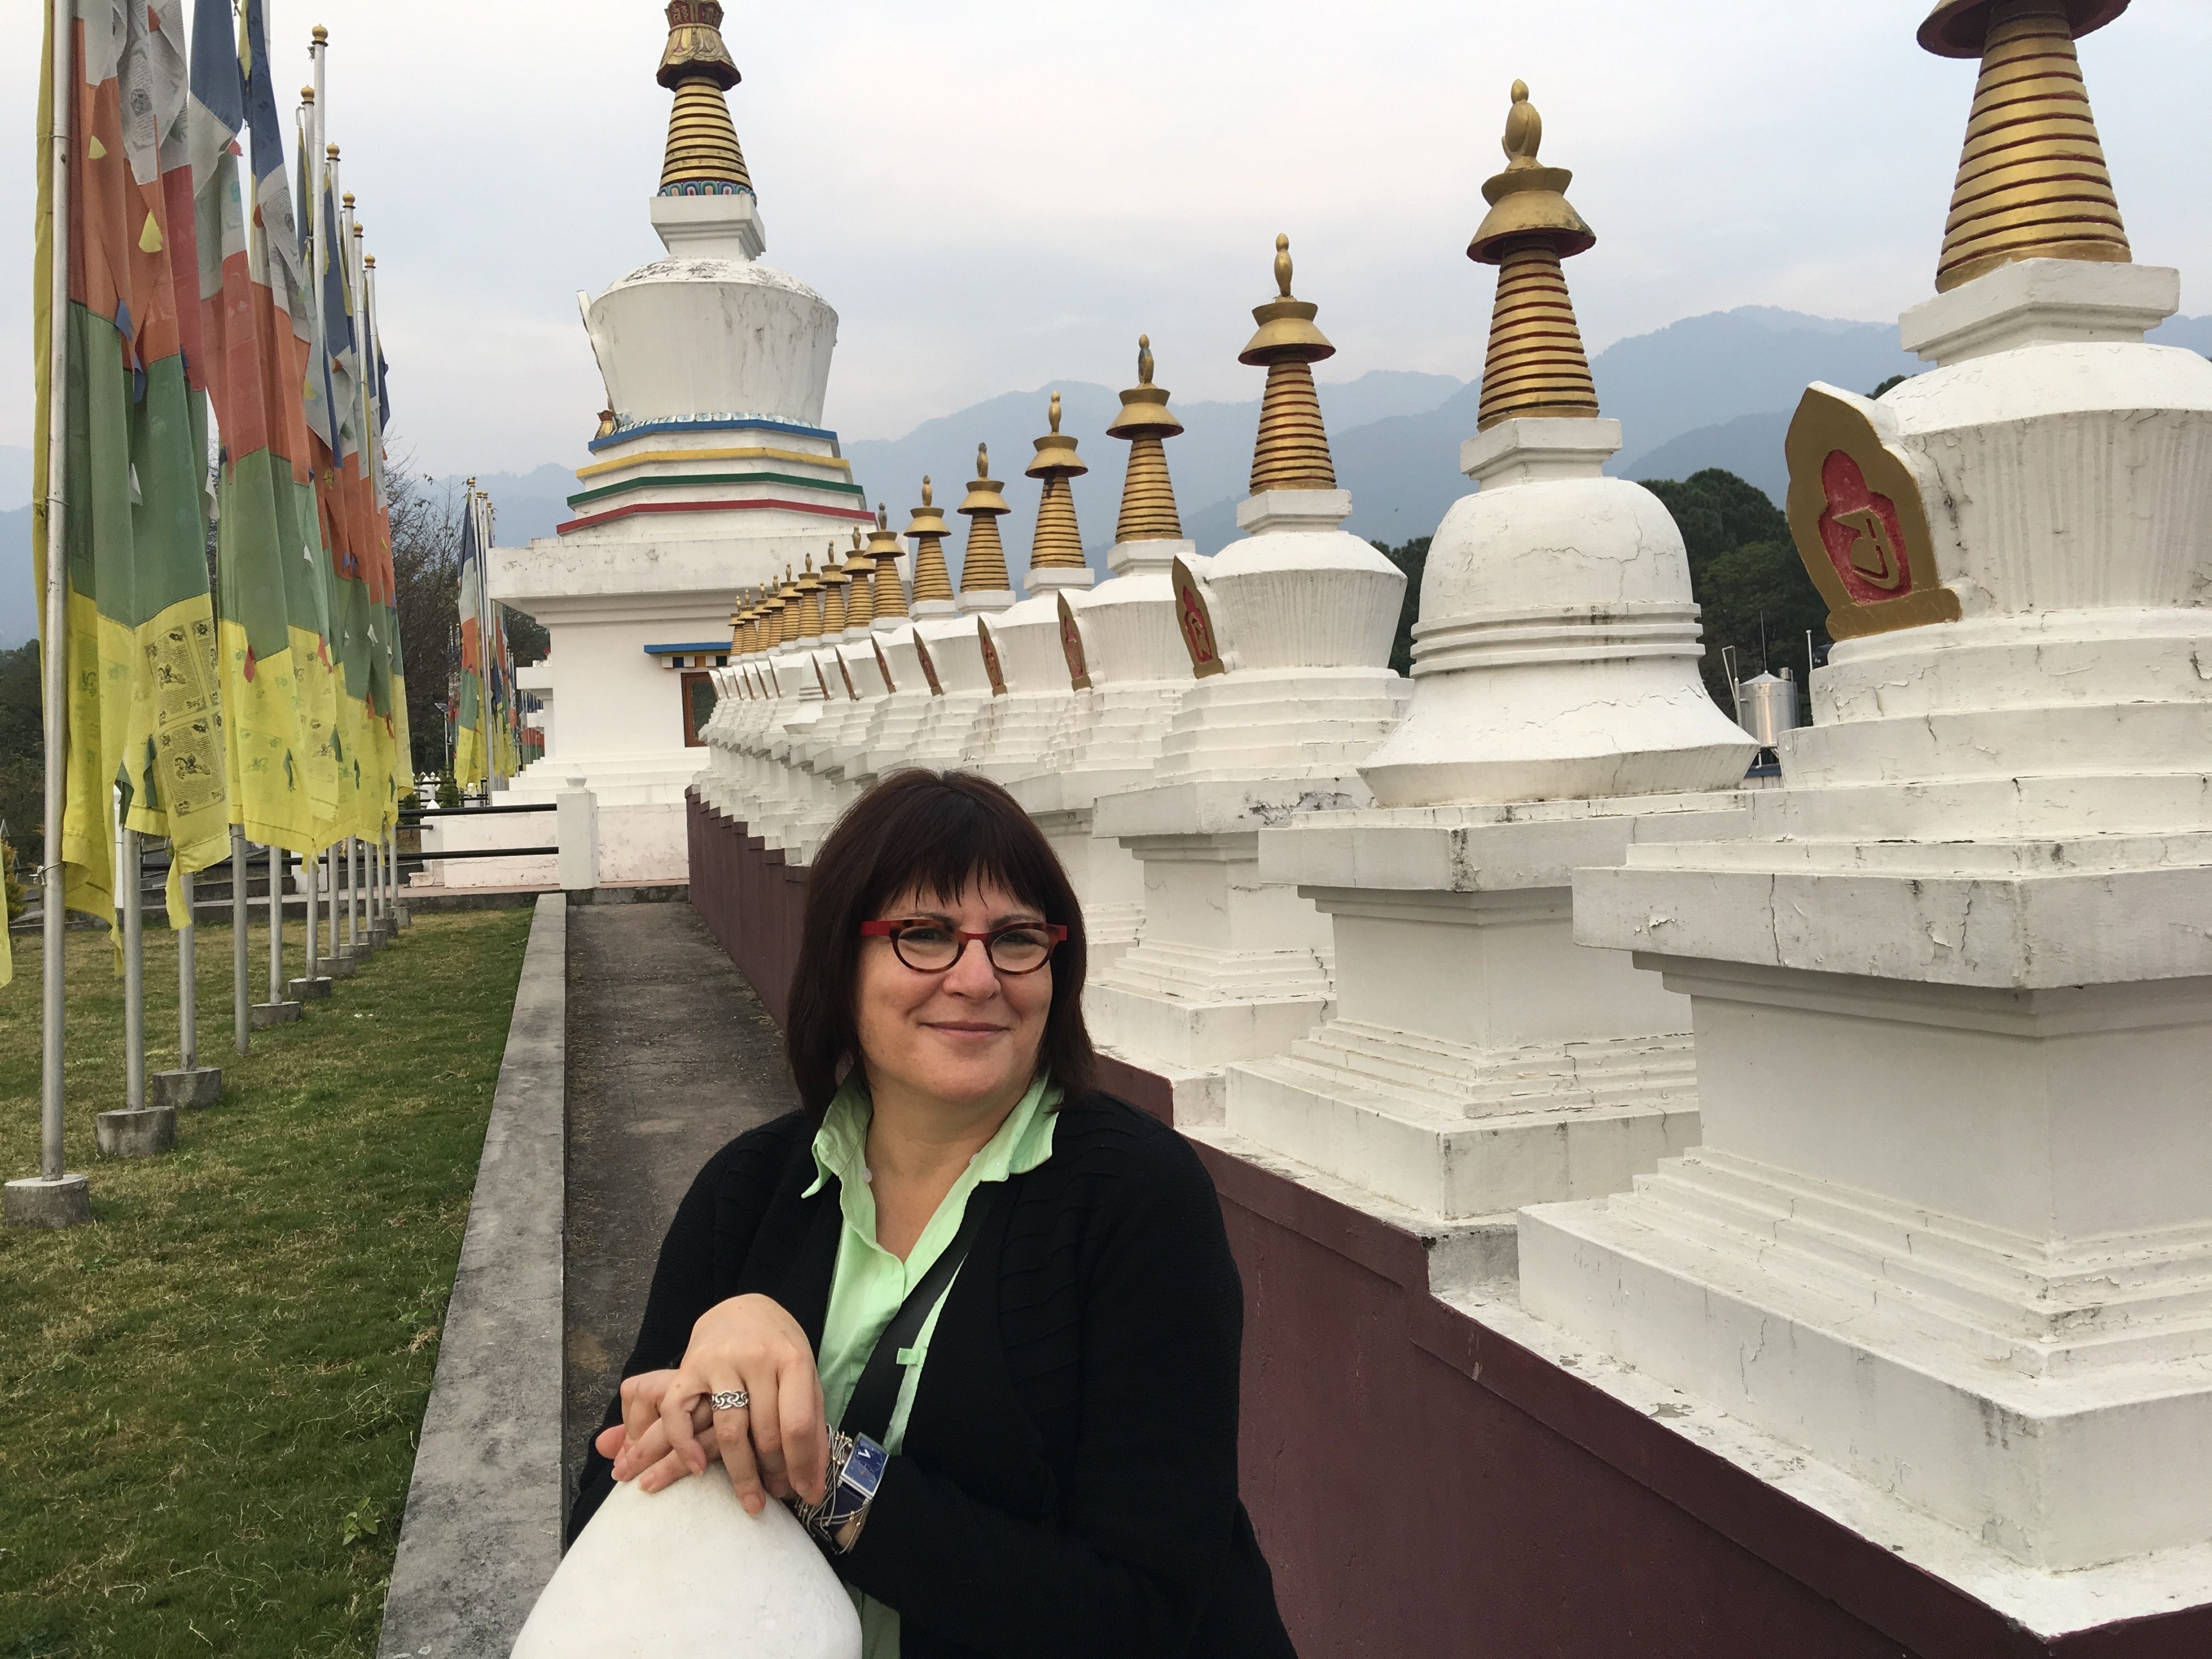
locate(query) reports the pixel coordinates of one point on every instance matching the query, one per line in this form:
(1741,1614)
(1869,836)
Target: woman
(1040,1460)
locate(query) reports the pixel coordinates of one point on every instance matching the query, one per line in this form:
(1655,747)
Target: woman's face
(967,1035)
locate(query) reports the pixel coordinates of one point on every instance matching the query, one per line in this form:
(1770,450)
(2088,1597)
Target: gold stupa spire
(2031,179)
(1293,451)
(1058,544)
(983,567)
(810,602)
(883,549)
(788,614)
(1148,502)
(1536,367)
(702,155)
(861,571)
(932,581)
(834,584)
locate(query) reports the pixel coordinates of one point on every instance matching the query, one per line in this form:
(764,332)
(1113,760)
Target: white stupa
(710,473)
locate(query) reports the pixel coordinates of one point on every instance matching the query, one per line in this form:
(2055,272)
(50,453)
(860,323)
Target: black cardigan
(1068,1481)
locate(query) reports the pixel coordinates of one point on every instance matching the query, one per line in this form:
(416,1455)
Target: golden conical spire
(861,571)
(834,584)
(702,157)
(1058,544)
(883,549)
(983,567)
(1293,451)
(932,581)
(1536,367)
(2031,179)
(787,599)
(1148,502)
(810,602)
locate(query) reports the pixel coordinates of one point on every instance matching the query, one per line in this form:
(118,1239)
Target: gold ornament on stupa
(787,610)
(1536,367)
(1293,451)
(810,602)
(983,567)
(1148,502)
(1058,544)
(884,550)
(932,579)
(2032,183)
(703,156)
(834,584)
(860,599)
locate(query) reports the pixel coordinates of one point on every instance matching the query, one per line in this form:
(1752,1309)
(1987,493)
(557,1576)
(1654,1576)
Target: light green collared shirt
(871,1284)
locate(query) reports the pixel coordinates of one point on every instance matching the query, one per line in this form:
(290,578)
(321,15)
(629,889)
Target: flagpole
(54,1198)
(241,992)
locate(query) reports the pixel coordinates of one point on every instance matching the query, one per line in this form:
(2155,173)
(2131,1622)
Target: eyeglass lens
(930,949)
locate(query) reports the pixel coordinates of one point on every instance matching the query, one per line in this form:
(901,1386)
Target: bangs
(955,847)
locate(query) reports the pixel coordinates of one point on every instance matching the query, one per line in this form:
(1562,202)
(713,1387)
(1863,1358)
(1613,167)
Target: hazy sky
(993,194)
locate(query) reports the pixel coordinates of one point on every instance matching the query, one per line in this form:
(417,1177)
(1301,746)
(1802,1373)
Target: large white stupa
(711,472)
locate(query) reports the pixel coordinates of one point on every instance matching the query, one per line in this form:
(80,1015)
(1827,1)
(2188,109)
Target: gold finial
(606,424)
(345,198)
(889,594)
(1536,367)
(2032,182)
(1524,128)
(472,483)
(856,533)
(932,581)
(331,150)
(1058,544)
(983,567)
(810,564)
(318,34)
(306,94)
(884,514)
(924,492)
(369,260)
(1148,502)
(702,144)
(1293,451)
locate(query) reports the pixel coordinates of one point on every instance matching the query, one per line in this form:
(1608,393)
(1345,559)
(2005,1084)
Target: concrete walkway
(670,1055)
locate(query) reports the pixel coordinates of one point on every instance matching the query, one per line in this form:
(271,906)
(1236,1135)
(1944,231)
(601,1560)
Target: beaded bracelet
(856,1470)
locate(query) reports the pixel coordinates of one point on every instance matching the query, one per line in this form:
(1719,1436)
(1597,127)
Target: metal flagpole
(331,853)
(188,990)
(54,1198)
(133,1131)
(276,924)
(241,994)
(353,894)
(310,868)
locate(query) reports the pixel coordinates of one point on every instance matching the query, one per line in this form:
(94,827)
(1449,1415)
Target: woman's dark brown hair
(937,834)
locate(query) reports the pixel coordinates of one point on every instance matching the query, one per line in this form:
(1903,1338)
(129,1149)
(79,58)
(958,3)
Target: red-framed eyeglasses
(932,947)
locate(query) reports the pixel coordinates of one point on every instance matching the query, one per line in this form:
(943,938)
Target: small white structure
(1478,1060)
(685,1573)
(711,472)
(1950,1232)
(1288,632)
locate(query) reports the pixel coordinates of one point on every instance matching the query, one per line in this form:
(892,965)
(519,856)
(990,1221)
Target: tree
(23,751)
(1745,573)
(426,570)
(1412,558)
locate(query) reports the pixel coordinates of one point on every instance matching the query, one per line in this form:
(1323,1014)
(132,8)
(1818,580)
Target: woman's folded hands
(769,1431)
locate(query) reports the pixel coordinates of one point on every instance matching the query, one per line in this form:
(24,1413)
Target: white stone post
(576,812)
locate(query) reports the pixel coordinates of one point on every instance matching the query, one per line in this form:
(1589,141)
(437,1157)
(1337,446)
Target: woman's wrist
(855,1470)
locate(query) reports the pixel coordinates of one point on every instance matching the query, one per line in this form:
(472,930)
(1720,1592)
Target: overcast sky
(993,194)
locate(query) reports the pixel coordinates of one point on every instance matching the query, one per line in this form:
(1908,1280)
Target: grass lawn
(208,1398)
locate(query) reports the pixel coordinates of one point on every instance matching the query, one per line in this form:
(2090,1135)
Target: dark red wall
(1425,1488)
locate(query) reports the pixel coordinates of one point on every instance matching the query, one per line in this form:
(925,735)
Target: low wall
(1428,1488)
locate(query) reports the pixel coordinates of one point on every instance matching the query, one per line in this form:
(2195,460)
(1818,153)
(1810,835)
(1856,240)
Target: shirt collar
(1022,1141)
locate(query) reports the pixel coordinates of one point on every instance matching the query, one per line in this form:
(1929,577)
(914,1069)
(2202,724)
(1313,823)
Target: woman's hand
(638,1445)
(775,1442)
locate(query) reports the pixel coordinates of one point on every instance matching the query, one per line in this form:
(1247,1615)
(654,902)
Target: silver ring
(730,1400)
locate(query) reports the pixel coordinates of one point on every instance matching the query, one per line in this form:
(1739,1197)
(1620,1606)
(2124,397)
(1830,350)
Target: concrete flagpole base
(201,1086)
(266,1014)
(145,1131)
(337,967)
(34,1201)
(317,989)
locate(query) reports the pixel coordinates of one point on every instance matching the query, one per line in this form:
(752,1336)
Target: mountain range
(1711,391)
